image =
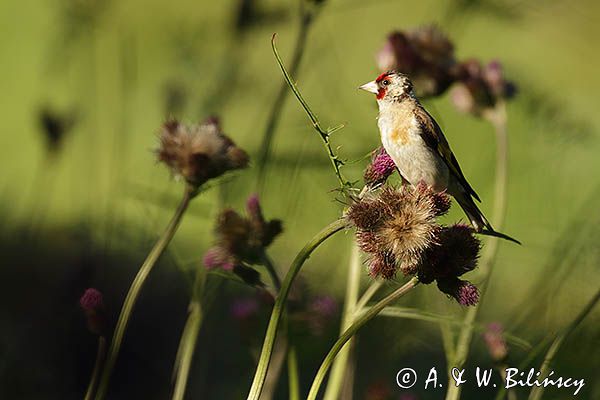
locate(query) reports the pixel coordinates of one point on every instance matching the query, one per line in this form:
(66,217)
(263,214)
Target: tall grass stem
(136,287)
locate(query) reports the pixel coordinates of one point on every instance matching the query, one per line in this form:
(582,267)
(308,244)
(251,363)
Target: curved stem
(186,351)
(271,334)
(100,356)
(306,19)
(352,329)
(536,392)
(338,372)
(136,287)
(498,120)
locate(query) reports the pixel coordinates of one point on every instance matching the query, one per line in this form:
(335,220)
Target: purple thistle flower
(92,304)
(91,300)
(425,54)
(253,207)
(464,292)
(380,168)
(480,87)
(216,257)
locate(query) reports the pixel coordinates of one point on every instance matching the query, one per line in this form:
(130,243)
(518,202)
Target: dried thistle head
(398,230)
(494,341)
(455,254)
(199,153)
(480,87)
(425,54)
(396,226)
(380,168)
(241,240)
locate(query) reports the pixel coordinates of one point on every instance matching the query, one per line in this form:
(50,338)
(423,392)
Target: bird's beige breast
(400,136)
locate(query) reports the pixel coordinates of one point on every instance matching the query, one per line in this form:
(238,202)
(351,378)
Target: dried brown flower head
(396,226)
(241,240)
(455,254)
(199,152)
(425,54)
(398,230)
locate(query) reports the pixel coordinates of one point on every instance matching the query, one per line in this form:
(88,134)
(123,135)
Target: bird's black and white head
(391,86)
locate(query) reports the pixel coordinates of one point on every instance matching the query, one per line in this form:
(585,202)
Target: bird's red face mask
(378,86)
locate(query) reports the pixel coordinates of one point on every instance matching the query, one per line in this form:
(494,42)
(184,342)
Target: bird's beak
(370,87)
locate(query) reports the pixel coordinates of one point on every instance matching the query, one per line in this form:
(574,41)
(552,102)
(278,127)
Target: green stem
(136,287)
(498,119)
(370,292)
(100,356)
(306,19)
(536,392)
(293,375)
(268,264)
(189,339)
(338,371)
(352,329)
(324,134)
(271,334)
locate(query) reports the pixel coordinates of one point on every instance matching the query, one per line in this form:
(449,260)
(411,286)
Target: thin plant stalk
(368,294)
(498,119)
(324,134)
(189,339)
(340,366)
(536,392)
(100,357)
(306,19)
(278,307)
(371,313)
(136,288)
(293,374)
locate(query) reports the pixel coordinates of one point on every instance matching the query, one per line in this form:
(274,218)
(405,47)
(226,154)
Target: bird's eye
(385,82)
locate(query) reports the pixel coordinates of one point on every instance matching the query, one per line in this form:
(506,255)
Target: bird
(418,147)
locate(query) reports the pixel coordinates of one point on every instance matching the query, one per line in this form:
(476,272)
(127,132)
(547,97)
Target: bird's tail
(477,219)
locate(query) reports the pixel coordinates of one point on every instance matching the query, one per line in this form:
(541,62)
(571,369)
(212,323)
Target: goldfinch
(418,147)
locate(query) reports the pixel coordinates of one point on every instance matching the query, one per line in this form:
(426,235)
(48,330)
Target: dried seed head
(241,240)
(455,254)
(425,54)
(199,152)
(494,340)
(396,226)
(380,168)
(464,292)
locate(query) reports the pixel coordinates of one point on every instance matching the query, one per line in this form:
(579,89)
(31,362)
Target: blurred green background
(86,214)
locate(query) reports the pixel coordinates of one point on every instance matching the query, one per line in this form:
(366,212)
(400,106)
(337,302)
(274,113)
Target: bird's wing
(434,137)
